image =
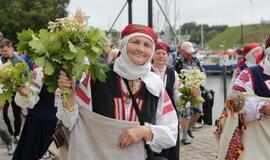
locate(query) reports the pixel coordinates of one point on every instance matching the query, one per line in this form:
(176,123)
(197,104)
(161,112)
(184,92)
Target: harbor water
(215,82)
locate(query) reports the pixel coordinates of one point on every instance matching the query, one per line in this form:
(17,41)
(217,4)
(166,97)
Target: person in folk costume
(171,81)
(112,98)
(41,119)
(249,125)
(252,55)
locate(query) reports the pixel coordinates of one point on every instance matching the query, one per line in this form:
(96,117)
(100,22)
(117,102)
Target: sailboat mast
(202,36)
(175,19)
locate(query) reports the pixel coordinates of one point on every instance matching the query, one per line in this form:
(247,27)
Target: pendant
(128,100)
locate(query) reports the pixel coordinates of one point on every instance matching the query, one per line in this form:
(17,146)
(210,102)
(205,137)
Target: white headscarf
(250,60)
(266,62)
(128,70)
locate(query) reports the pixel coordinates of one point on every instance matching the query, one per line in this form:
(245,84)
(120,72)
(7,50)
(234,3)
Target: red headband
(248,48)
(164,46)
(138,28)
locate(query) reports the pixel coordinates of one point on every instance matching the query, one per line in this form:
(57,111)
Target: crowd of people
(137,103)
(140,77)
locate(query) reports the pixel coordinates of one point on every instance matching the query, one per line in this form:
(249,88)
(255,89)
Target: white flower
(67,24)
(192,78)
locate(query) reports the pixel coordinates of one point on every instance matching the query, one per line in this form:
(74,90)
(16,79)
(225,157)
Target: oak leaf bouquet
(67,44)
(11,78)
(191,79)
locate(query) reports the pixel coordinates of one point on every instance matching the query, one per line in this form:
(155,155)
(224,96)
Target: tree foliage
(194,30)
(17,15)
(11,78)
(65,45)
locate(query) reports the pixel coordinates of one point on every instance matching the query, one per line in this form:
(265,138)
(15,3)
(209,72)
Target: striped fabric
(122,109)
(83,92)
(125,111)
(167,104)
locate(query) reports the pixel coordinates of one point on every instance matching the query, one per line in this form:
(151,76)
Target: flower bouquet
(67,44)
(191,79)
(11,78)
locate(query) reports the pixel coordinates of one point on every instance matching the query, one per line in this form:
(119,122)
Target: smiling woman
(170,80)
(132,93)
(161,55)
(139,50)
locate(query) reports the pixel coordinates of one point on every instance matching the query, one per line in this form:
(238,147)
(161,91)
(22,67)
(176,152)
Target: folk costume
(111,102)
(40,122)
(246,127)
(171,82)
(252,55)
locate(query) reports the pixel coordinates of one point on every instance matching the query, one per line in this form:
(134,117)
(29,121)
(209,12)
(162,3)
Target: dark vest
(103,94)
(259,79)
(44,109)
(170,84)
(173,152)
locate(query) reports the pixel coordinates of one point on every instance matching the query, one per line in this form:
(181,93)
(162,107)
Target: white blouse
(163,76)
(34,89)
(164,131)
(252,105)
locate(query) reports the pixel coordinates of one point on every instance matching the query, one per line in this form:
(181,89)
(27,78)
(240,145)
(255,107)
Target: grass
(231,37)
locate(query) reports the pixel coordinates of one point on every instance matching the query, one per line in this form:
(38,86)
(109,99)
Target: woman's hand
(68,83)
(23,90)
(195,92)
(265,109)
(134,135)
(64,81)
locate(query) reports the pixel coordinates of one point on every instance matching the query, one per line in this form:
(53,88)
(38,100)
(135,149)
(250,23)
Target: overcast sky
(231,12)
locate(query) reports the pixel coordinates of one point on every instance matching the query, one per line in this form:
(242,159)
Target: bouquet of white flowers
(191,79)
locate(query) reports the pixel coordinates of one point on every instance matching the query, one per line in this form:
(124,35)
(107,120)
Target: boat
(215,62)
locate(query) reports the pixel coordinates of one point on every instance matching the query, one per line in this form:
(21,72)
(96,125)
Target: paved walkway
(3,152)
(202,147)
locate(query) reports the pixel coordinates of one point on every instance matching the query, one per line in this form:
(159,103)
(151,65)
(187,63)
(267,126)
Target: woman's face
(160,57)
(139,50)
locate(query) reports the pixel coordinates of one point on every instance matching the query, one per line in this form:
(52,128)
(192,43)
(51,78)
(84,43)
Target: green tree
(188,27)
(219,28)
(195,36)
(194,30)
(17,15)
(211,34)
